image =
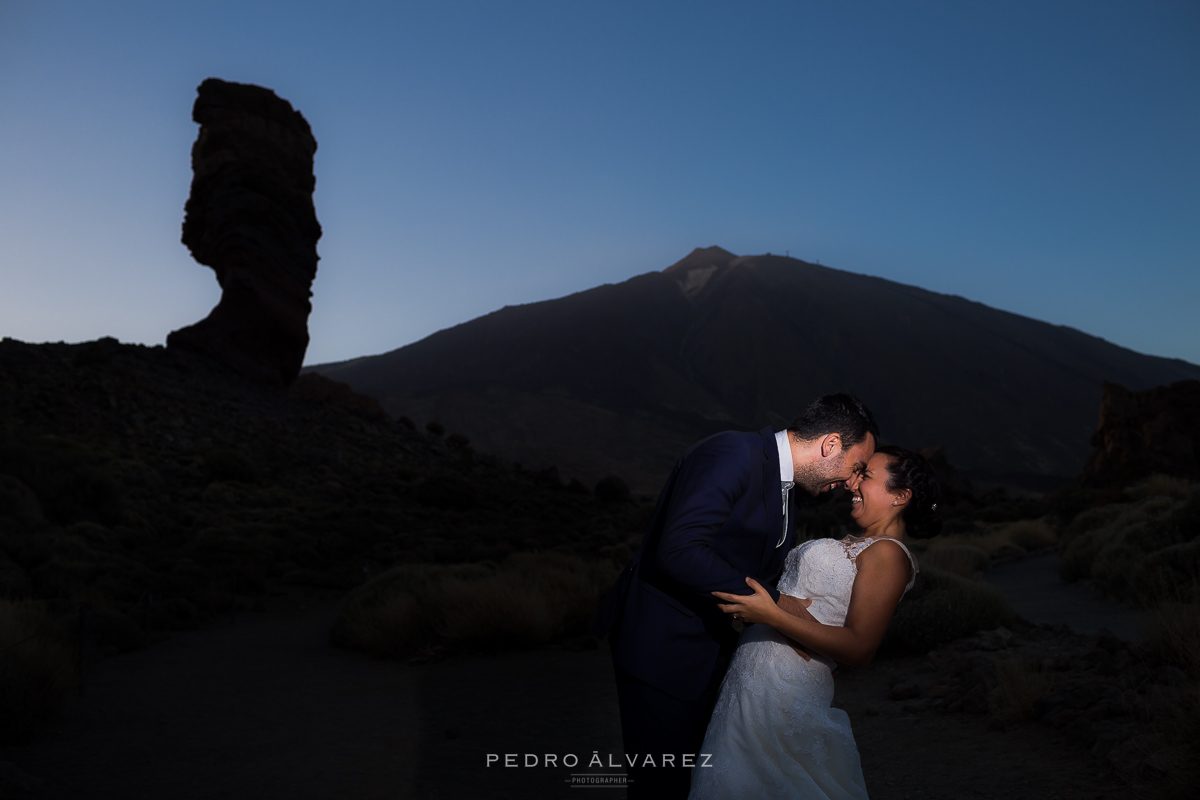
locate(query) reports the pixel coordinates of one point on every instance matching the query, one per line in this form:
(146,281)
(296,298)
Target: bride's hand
(757,607)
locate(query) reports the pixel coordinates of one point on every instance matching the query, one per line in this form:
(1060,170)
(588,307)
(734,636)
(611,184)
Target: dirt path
(1037,593)
(266,709)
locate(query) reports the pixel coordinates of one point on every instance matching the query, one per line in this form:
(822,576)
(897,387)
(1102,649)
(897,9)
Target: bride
(773,732)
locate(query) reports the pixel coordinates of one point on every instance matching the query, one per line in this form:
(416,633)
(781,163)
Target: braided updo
(912,471)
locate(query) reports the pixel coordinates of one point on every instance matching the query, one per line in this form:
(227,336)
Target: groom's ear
(830,444)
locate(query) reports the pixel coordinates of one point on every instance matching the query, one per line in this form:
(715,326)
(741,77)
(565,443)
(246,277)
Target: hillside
(621,378)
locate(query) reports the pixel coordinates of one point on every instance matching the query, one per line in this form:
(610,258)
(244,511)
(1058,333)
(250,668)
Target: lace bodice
(824,570)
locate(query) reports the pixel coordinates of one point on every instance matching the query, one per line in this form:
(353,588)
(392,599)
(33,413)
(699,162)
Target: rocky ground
(124,468)
(264,707)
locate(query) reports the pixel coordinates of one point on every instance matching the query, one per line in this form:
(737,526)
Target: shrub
(392,613)
(1173,635)
(526,600)
(1090,520)
(943,607)
(955,527)
(1031,534)
(1184,523)
(1160,485)
(1075,563)
(18,501)
(1069,501)
(568,583)
(1020,684)
(1011,509)
(961,559)
(498,611)
(969,553)
(1172,574)
(1141,552)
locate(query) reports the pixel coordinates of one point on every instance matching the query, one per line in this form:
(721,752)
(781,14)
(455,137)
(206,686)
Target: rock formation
(1140,433)
(250,217)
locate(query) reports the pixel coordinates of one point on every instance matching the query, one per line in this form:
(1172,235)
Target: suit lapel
(772,501)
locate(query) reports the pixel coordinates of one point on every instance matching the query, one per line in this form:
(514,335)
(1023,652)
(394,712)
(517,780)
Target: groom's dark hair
(843,414)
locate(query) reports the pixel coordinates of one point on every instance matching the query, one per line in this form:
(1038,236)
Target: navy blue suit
(718,520)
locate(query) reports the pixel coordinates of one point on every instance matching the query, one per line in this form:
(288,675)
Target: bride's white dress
(773,732)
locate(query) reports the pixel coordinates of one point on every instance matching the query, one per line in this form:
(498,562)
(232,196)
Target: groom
(725,513)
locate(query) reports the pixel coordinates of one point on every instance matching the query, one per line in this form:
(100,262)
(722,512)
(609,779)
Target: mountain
(621,378)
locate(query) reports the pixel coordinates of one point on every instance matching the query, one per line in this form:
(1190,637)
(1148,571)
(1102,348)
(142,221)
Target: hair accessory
(933,507)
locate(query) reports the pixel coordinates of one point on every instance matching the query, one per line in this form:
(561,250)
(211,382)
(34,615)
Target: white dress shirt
(787,474)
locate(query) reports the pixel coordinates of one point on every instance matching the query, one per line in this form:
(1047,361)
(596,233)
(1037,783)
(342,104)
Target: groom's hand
(797,607)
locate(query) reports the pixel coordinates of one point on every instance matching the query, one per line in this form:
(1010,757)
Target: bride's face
(870,499)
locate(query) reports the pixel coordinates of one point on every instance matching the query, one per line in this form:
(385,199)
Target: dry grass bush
(1020,684)
(1159,485)
(1171,573)
(386,627)
(497,611)
(1075,560)
(961,559)
(969,553)
(1088,521)
(384,617)
(37,677)
(526,600)
(1030,534)
(1173,637)
(943,607)
(1145,552)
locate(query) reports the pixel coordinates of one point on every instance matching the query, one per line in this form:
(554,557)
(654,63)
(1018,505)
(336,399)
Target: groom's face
(833,470)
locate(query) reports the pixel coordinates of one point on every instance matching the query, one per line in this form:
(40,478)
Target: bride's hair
(912,471)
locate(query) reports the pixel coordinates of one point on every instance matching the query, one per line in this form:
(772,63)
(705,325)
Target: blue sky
(1040,157)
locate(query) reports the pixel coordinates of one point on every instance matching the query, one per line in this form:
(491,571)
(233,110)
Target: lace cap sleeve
(854,548)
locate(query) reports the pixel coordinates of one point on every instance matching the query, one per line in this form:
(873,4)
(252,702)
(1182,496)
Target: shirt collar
(787,472)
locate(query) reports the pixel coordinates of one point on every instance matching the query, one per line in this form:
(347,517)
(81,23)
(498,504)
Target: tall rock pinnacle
(251,218)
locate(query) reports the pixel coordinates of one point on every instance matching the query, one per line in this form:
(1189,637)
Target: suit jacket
(718,519)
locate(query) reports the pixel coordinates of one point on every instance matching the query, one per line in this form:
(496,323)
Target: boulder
(250,217)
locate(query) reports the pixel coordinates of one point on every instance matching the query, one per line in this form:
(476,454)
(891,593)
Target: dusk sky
(1039,157)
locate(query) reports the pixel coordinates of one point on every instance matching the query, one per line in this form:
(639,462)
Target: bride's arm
(882,575)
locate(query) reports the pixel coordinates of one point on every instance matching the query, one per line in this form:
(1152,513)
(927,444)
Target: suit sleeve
(710,482)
